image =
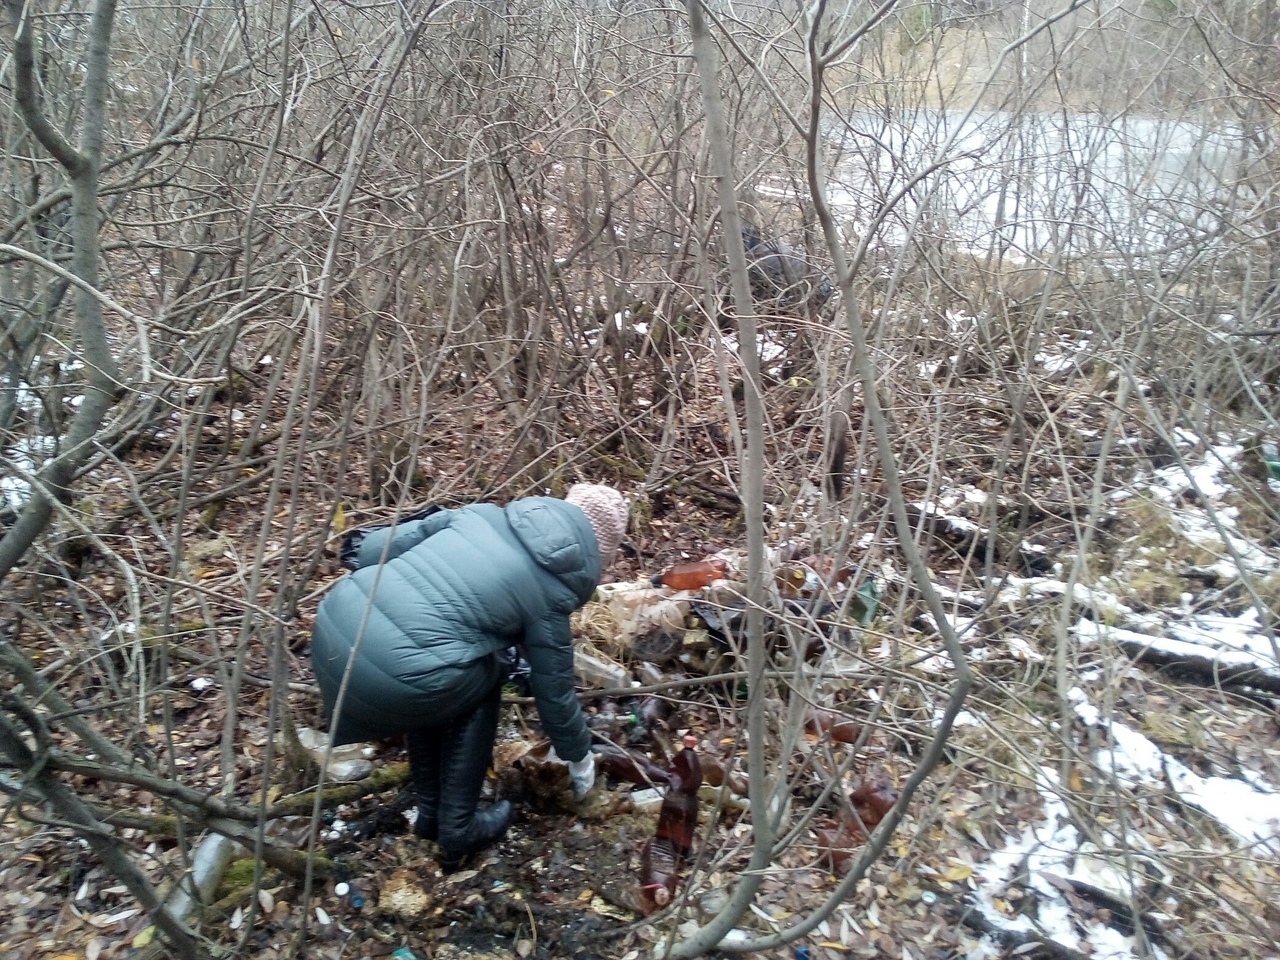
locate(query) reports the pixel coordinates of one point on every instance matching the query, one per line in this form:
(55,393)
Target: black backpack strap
(349,551)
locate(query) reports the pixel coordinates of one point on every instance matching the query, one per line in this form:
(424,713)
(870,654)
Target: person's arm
(365,547)
(548,646)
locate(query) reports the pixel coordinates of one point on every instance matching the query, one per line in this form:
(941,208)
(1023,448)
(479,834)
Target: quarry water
(1033,183)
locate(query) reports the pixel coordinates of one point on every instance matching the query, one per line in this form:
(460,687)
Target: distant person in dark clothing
(779,273)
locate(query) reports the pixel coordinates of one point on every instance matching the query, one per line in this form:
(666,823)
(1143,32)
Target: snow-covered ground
(1123,869)
(1059,860)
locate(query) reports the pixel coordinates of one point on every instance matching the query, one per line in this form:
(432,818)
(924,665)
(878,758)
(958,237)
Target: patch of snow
(27,400)
(1219,632)
(957,526)
(1055,363)
(1047,848)
(964,718)
(949,498)
(1052,848)
(1085,710)
(961,625)
(24,459)
(1187,439)
(1020,649)
(1249,808)
(14,491)
(770,351)
(1203,477)
(1021,592)
(126,629)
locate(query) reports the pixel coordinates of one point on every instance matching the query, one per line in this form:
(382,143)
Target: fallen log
(388,777)
(1212,666)
(963,536)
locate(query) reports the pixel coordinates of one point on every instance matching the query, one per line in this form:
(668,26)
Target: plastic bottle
(678,819)
(654,711)
(824,566)
(349,896)
(659,864)
(688,767)
(716,774)
(796,581)
(692,576)
(648,673)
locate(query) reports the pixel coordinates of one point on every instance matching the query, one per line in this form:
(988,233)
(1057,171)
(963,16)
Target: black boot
(466,754)
(425,748)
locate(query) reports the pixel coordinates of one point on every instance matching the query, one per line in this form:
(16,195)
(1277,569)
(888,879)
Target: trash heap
(689,622)
(691,619)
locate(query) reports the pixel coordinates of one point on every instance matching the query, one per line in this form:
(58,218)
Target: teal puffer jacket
(456,586)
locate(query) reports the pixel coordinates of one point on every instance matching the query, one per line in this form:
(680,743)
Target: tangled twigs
(39,777)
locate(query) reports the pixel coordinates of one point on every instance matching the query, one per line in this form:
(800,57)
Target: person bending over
(421,623)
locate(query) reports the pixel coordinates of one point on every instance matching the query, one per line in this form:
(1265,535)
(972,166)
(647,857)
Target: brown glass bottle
(873,799)
(678,818)
(836,726)
(629,766)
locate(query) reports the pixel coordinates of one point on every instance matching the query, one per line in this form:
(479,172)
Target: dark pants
(450,754)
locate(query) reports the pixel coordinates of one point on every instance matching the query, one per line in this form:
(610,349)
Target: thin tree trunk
(81,165)
(752,468)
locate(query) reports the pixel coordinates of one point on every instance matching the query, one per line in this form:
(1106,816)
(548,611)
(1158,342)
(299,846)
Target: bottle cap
(690,741)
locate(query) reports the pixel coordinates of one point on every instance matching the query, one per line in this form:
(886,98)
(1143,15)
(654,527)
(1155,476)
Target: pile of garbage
(691,619)
(641,636)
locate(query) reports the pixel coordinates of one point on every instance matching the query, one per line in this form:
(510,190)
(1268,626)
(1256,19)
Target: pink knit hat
(607,512)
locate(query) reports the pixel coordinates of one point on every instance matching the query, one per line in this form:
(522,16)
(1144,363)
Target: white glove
(583,774)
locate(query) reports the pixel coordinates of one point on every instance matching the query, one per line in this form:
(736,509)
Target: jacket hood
(559,538)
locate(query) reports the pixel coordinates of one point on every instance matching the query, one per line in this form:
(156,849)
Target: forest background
(274,270)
